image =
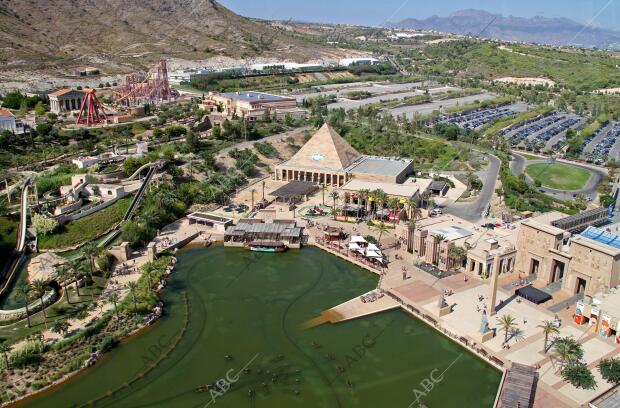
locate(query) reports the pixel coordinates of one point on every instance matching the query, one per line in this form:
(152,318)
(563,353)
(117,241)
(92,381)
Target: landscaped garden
(558,176)
(87,228)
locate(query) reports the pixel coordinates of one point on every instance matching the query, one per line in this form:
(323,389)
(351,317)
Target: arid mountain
(541,30)
(122,34)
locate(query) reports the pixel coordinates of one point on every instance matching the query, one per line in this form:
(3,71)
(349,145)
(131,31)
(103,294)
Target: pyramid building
(328,159)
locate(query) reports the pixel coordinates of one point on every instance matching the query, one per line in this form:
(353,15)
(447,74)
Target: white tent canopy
(358,239)
(373,247)
(354,246)
(373,254)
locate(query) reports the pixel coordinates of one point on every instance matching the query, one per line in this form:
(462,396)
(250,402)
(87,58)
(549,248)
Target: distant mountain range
(541,30)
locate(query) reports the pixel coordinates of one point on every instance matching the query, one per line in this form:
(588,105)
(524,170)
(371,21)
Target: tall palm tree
(506,323)
(113,297)
(252,191)
(323,188)
(84,269)
(548,328)
(380,197)
(76,273)
(5,349)
(381,228)
(38,290)
(414,213)
(91,251)
(439,238)
(63,274)
(334,196)
(347,198)
(148,271)
(363,195)
(133,291)
(24,292)
(263,186)
(393,203)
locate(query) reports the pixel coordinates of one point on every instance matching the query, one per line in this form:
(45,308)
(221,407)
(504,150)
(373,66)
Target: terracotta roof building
(65,100)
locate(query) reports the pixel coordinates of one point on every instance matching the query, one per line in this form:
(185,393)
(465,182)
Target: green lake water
(250,306)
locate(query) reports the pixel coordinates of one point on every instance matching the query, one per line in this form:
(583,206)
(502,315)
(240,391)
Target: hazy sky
(604,13)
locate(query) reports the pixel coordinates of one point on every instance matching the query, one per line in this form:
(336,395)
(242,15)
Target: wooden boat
(266,246)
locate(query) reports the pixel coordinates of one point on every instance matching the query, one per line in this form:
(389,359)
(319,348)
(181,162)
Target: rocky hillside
(117,35)
(552,31)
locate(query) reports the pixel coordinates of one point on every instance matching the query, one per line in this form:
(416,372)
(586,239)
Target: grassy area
(87,228)
(8,236)
(559,176)
(61,310)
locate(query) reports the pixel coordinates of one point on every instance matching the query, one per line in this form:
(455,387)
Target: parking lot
(544,133)
(480,117)
(603,144)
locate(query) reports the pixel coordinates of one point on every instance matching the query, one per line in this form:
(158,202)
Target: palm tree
(61,327)
(380,197)
(263,186)
(133,291)
(381,228)
(456,254)
(113,297)
(76,273)
(439,238)
(363,194)
(548,328)
(84,268)
(91,251)
(24,292)
(252,191)
(323,188)
(148,271)
(63,274)
(506,323)
(568,351)
(347,198)
(334,196)
(5,349)
(38,289)
(393,203)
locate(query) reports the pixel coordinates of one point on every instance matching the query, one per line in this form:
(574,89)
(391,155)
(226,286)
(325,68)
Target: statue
(484,324)
(441,302)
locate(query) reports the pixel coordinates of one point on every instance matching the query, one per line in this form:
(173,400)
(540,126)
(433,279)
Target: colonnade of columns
(65,105)
(484,268)
(333,179)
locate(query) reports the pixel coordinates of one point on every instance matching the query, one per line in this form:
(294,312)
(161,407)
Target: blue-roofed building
(251,105)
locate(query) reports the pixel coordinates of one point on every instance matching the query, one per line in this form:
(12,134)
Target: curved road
(473,211)
(518,164)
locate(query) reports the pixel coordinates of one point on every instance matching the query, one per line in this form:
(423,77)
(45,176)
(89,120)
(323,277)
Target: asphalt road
(473,211)
(518,163)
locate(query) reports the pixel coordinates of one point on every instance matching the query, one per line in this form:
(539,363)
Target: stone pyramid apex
(327,149)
